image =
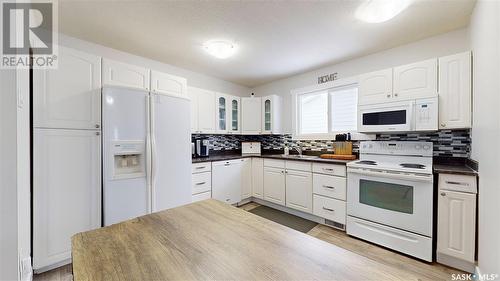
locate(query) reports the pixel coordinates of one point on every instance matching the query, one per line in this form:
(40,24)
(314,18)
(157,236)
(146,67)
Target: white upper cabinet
(121,74)
(455,91)
(416,80)
(70,96)
(251,116)
(163,83)
(202,110)
(271,114)
(234,120)
(222,113)
(375,87)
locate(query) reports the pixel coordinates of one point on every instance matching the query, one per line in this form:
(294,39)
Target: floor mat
(283,218)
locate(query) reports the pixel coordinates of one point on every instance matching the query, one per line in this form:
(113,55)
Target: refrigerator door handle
(153,151)
(148,154)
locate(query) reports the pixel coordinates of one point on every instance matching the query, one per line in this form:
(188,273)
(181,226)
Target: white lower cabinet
(226,181)
(246,178)
(201,181)
(329,189)
(299,190)
(201,196)
(66,191)
(274,185)
(258,178)
(329,208)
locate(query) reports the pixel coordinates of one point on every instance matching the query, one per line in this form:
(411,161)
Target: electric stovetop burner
(412,166)
(367,162)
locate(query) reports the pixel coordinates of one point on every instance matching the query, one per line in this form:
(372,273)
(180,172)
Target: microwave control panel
(426,114)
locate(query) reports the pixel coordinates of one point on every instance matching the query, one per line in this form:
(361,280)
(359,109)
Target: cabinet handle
(329,186)
(199,168)
(201,183)
(97,126)
(97,133)
(443,125)
(389,96)
(443,194)
(457,183)
(227,164)
(327,209)
(395,94)
(328,169)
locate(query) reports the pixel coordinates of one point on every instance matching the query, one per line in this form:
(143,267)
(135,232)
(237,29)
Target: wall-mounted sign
(328,78)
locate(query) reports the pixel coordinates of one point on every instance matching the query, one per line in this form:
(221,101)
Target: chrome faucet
(298,149)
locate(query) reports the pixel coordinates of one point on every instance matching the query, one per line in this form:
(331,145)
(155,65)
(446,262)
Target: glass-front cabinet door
(267,115)
(221,105)
(235,115)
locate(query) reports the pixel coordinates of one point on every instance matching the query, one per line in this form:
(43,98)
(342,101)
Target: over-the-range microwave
(402,116)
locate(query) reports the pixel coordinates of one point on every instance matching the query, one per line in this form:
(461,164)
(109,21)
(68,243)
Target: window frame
(337,84)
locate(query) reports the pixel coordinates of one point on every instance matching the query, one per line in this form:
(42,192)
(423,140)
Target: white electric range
(390,196)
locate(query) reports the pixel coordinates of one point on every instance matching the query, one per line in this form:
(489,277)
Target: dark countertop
(224,157)
(454,169)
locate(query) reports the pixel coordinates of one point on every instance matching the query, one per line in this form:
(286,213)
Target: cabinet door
(234,115)
(416,80)
(70,96)
(258,178)
(455,92)
(194,110)
(121,74)
(457,224)
(274,185)
(299,190)
(267,104)
(251,115)
(226,181)
(206,110)
(163,83)
(375,87)
(246,178)
(66,191)
(222,108)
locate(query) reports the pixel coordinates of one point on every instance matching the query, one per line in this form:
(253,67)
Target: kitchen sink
(299,156)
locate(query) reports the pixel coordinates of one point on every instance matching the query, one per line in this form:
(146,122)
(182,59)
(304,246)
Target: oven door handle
(422,177)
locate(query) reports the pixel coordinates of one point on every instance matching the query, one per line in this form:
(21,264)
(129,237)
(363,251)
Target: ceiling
(276,39)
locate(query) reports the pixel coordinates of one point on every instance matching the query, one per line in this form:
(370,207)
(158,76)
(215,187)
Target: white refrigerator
(146,153)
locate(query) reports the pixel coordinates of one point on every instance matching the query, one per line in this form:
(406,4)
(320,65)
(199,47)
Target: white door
(267,115)
(246,178)
(170,152)
(258,178)
(226,181)
(194,110)
(455,91)
(206,110)
(416,80)
(66,191)
(375,87)
(234,126)
(69,96)
(116,73)
(168,84)
(251,116)
(456,224)
(299,190)
(222,113)
(274,185)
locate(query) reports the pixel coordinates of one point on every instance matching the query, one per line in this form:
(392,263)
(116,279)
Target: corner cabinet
(234,120)
(116,73)
(246,178)
(163,83)
(375,87)
(70,96)
(258,177)
(222,113)
(271,114)
(251,116)
(455,91)
(202,110)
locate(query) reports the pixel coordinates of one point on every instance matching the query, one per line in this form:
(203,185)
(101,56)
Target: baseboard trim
(477,273)
(456,263)
(52,266)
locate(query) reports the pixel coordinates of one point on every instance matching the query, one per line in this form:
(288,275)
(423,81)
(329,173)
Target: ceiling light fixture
(376,11)
(219,48)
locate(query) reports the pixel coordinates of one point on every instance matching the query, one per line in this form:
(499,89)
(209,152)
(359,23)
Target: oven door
(388,117)
(396,200)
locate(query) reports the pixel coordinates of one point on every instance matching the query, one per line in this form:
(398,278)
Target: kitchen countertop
(211,240)
(454,169)
(308,158)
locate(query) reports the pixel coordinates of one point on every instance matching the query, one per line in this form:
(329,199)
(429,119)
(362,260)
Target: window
(326,112)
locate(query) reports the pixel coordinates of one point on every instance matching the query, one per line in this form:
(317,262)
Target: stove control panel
(396,148)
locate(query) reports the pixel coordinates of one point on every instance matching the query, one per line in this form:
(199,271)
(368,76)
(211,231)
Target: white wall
(193,78)
(485,44)
(445,44)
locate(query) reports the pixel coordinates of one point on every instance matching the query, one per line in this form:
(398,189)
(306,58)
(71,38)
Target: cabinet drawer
(330,186)
(329,169)
(460,183)
(201,167)
(201,182)
(201,196)
(274,163)
(329,208)
(298,165)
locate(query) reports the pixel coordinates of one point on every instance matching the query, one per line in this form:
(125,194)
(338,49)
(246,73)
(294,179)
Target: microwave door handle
(425,178)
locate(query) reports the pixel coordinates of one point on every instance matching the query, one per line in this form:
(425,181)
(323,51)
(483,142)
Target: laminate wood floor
(426,271)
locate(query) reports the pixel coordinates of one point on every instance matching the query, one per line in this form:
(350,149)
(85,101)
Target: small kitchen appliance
(390,196)
(250,148)
(202,147)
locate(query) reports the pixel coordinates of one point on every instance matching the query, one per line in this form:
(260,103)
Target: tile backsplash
(451,143)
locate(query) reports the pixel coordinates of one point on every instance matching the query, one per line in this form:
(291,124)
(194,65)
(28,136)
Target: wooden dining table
(210,240)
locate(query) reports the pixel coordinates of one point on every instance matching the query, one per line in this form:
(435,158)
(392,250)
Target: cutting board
(338,156)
